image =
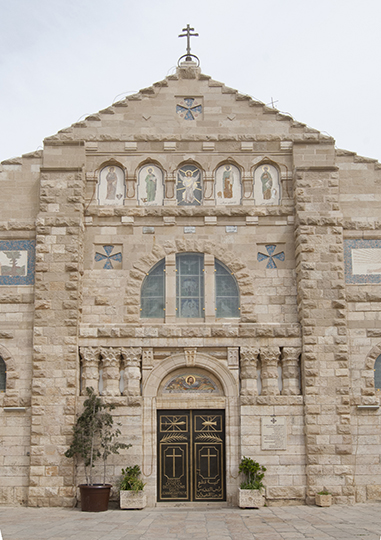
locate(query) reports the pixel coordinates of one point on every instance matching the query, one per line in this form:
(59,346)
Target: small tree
(254,473)
(94,435)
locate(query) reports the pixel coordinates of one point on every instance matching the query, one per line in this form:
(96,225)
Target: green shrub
(130,480)
(254,474)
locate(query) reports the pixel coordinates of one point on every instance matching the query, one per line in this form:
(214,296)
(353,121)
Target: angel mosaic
(189,191)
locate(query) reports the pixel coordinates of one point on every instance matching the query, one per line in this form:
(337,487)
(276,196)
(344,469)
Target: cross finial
(188,34)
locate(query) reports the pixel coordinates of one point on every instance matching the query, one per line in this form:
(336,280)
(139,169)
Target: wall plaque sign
(273,433)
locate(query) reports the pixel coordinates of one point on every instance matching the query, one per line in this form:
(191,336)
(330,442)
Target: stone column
(291,371)
(90,368)
(111,371)
(170,189)
(132,374)
(248,364)
(270,359)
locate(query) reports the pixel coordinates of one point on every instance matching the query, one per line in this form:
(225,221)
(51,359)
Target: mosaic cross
(189,110)
(108,258)
(270,256)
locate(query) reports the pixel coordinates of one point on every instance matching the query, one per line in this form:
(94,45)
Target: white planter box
(323,500)
(133,500)
(251,498)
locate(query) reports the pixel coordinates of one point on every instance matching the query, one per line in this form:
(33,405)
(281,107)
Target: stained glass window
(377,374)
(190,285)
(227,295)
(153,292)
(3,375)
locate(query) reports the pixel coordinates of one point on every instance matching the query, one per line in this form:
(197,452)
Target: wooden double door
(191,455)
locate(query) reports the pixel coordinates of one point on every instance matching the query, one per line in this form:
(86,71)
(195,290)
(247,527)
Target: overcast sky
(61,60)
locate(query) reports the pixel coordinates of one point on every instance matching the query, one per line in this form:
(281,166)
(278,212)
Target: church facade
(211,267)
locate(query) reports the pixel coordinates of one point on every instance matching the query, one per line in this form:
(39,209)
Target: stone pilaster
(270,360)
(59,264)
(291,371)
(248,373)
(321,306)
(111,371)
(132,373)
(90,368)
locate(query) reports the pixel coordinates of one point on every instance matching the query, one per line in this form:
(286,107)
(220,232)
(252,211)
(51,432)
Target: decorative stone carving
(270,358)
(147,359)
(190,356)
(111,371)
(90,368)
(248,363)
(233,357)
(132,373)
(291,371)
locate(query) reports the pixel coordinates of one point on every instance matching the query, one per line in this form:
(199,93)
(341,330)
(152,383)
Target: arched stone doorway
(169,387)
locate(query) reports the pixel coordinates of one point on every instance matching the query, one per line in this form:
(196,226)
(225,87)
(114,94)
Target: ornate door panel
(191,455)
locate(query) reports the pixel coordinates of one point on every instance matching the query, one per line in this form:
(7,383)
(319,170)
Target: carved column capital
(270,359)
(291,371)
(89,355)
(111,370)
(131,356)
(248,372)
(90,359)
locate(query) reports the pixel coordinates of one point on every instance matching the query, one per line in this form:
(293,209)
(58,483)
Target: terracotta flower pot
(95,498)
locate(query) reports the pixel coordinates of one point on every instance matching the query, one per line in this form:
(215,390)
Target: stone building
(213,268)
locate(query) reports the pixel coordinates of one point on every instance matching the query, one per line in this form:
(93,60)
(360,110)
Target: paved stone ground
(360,522)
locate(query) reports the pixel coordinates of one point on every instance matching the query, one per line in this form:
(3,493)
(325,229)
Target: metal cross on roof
(188,35)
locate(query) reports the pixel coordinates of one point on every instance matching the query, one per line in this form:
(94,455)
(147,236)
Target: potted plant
(131,489)
(94,437)
(251,492)
(323,498)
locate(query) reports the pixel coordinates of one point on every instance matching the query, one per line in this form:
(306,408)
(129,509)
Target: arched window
(3,375)
(190,285)
(191,273)
(153,292)
(227,296)
(377,374)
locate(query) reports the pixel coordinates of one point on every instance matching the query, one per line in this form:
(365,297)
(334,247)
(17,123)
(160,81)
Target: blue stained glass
(189,116)
(227,293)
(153,292)
(270,249)
(108,258)
(108,265)
(99,257)
(270,263)
(280,256)
(3,375)
(189,101)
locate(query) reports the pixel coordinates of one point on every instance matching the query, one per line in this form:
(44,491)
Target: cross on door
(209,455)
(174,456)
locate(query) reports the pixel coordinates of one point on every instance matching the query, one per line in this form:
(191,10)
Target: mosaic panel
(111,187)
(228,185)
(271,257)
(108,257)
(266,185)
(362,260)
(150,185)
(190,383)
(17,261)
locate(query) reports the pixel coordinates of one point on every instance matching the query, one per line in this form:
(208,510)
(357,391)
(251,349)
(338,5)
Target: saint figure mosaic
(266,185)
(111,186)
(150,185)
(228,185)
